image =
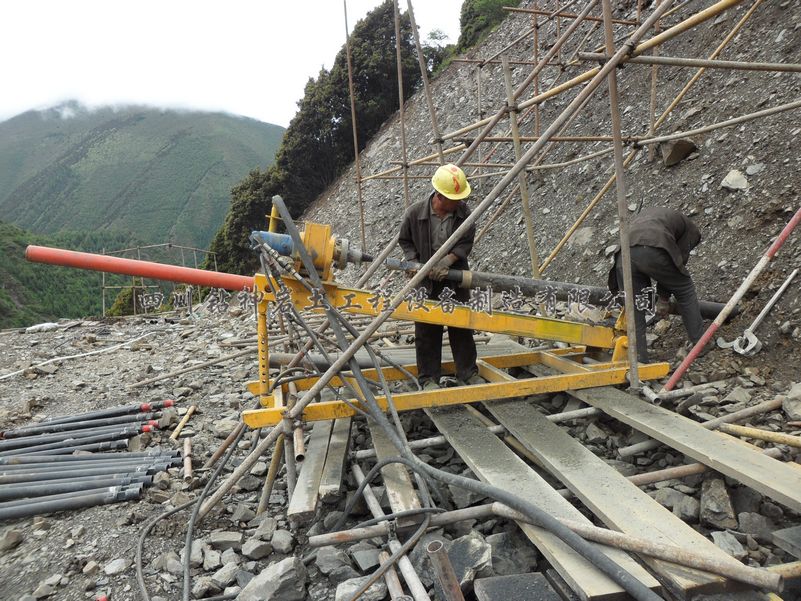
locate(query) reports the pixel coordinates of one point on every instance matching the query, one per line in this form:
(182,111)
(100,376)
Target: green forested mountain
(318,144)
(33,292)
(162,175)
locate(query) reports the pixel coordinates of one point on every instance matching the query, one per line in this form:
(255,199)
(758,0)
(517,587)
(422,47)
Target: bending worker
(426,226)
(661,240)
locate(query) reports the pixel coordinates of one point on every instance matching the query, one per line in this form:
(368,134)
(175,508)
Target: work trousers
(428,344)
(651,263)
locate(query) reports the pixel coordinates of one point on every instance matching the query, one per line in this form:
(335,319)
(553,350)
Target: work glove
(662,308)
(440,271)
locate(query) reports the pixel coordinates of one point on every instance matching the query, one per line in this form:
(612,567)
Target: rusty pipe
(299,444)
(272,472)
(443,569)
(391,578)
(146,269)
(187,459)
(730,568)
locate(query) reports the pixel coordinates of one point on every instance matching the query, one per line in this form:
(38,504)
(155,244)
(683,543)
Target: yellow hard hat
(450,181)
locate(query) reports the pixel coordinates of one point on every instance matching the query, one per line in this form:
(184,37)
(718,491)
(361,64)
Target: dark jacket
(415,234)
(666,229)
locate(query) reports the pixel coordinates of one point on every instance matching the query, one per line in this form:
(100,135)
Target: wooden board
(303,504)
(397,482)
(331,480)
(609,495)
(772,478)
(493,462)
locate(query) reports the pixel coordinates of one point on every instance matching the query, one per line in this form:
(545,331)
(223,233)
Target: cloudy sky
(246,57)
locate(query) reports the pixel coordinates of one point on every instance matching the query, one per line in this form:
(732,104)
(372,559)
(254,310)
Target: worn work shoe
(430,385)
(474,379)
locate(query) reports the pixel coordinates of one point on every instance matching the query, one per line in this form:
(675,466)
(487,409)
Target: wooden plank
(303,504)
(619,503)
(331,480)
(397,482)
(493,462)
(772,478)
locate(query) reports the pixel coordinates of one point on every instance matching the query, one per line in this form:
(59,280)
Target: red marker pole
(738,295)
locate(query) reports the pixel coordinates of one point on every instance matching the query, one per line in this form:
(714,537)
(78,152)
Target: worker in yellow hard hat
(426,226)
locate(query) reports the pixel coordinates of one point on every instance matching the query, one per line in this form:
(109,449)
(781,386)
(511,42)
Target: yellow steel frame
(573,375)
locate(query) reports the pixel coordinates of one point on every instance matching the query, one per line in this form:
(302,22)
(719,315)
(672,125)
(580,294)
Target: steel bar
(697,62)
(443,570)
(428,157)
(272,472)
(766,435)
(357,155)
(522,182)
(58,467)
(712,424)
(391,578)
(622,206)
(563,15)
(112,445)
(763,262)
(426,88)
(223,446)
(401,108)
(733,569)
(184,420)
(63,427)
(34,508)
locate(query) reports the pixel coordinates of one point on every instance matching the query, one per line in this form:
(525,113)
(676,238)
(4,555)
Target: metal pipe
(622,208)
(65,495)
(298,442)
(31,441)
(443,570)
(66,467)
(711,424)
(763,262)
(767,436)
(391,578)
(177,432)
(730,568)
(105,437)
(531,286)
(697,62)
(522,180)
(223,446)
(416,588)
(563,15)
(47,476)
(90,500)
(401,113)
(272,472)
(111,412)
(112,445)
(88,457)
(188,459)
(61,486)
(63,427)
(357,156)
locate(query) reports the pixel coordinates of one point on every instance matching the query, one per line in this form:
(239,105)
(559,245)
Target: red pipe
(763,262)
(145,269)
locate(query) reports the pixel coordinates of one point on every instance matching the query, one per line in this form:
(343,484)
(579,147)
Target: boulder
(716,505)
(282,581)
